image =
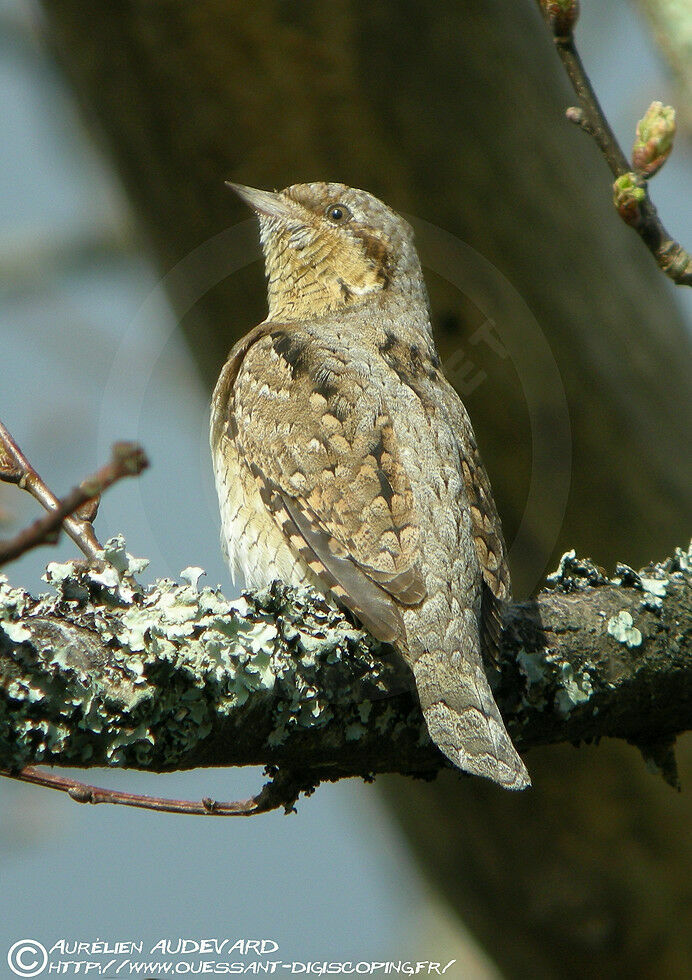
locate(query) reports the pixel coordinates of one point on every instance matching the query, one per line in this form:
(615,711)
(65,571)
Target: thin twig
(280,791)
(16,468)
(128,459)
(641,213)
(594,117)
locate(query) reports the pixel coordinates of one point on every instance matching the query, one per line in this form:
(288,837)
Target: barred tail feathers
(463,719)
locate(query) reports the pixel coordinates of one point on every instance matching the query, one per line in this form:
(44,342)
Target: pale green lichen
(385,719)
(181,659)
(141,677)
(575,573)
(622,628)
(364,711)
(16,632)
(575,689)
(192,574)
(654,592)
(655,586)
(13,601)
(653,603)
(532,666)
(536,672)
(115,554)
(682,560)
(354,731)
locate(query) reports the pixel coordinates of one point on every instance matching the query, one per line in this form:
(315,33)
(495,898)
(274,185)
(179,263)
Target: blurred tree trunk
(453,112)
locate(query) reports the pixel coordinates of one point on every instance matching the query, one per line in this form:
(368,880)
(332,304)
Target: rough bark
(104,674)
(453,112)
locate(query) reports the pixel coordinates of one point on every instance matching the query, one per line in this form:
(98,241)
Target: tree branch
(281,790)
(631,194)
(16,468)
(127,459)
(104,674)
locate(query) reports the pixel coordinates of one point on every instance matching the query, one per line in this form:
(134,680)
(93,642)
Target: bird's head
(328,246)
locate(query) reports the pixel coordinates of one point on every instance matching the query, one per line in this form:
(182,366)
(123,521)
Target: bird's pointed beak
(272,204)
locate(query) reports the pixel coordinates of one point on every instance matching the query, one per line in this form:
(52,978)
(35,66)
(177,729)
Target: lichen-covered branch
(175,677)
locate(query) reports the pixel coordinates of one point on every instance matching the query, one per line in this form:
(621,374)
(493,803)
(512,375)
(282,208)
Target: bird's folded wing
(485,521)
(317,436)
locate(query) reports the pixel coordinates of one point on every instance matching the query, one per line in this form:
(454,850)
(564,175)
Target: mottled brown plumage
(344,459)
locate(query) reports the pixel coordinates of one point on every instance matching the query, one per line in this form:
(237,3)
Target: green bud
(654,140)
(627,196)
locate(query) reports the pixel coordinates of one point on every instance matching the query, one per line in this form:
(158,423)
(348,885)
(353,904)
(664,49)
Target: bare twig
(632,198)
(280,791)
(16,468)
(128,459)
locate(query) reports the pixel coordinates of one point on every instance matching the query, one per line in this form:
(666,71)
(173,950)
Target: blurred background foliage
(119,304)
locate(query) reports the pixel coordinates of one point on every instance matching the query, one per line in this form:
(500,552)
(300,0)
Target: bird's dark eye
(338,213)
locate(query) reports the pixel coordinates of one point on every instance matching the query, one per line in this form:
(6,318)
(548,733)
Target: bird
(343,459)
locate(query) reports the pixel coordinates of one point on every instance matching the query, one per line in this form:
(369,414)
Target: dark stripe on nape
(416,356)
(325,383)
(378,253)
(346,292)
(390,342)
(377,448)
(231,427)
(385,487)
(325,387)
(292,350)
(402,374)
